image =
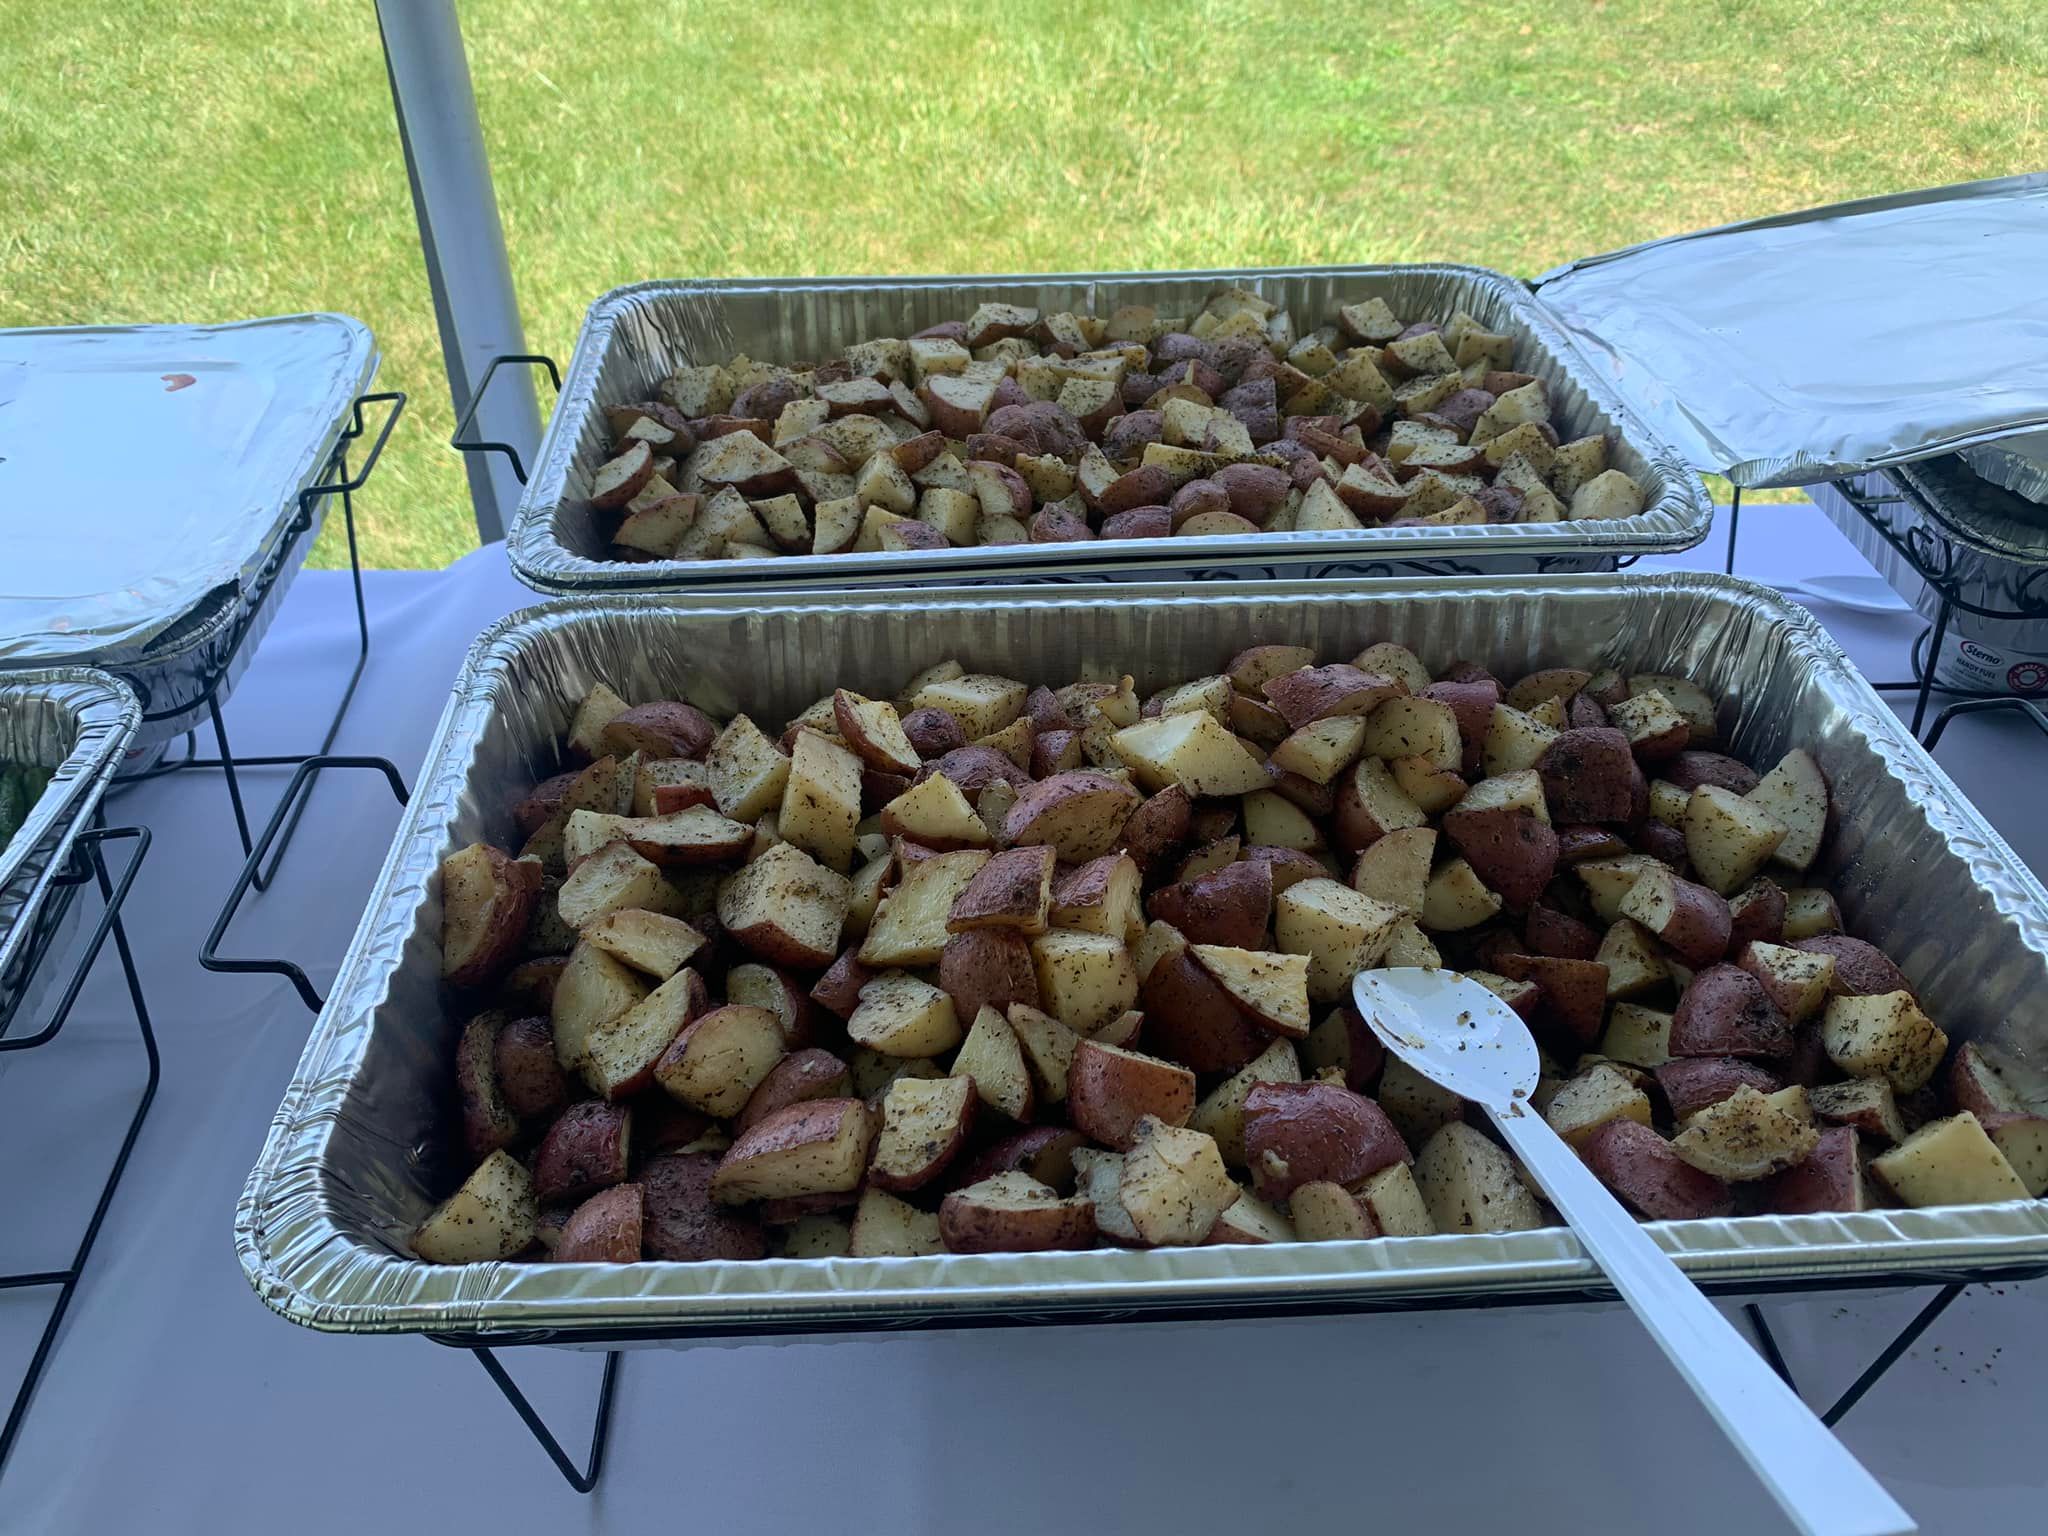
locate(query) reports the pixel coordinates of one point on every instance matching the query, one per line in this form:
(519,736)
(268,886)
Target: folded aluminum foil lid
(76,723)
(1803,347)
(144,467)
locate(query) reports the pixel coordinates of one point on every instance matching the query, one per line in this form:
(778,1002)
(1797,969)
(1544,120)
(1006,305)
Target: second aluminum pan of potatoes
(1311,422)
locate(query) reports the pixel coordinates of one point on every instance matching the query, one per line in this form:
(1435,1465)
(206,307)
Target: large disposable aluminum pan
(353,1160)
(1832,341)
(1983,542)
(78,722)
(634,337)
(199,526)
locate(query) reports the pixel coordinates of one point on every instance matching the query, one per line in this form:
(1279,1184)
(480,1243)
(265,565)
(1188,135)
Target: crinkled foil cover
(287,385)
(1812,345)
(634,337)
(355,1159)
(1982,536)
(79,722)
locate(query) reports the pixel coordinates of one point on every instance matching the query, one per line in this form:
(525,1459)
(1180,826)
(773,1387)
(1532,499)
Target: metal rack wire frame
(87,864)
(529,359)
(266,577)
(1931,558)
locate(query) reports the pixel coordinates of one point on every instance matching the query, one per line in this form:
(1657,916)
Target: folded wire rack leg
(336,481)
(582,1479)
(289,808)
(1734,526)
(1872,1373)
(65,1280)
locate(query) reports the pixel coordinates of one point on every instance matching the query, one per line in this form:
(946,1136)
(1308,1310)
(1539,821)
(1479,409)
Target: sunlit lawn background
(213,159)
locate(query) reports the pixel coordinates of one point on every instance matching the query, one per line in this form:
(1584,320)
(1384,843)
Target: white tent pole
(462,241)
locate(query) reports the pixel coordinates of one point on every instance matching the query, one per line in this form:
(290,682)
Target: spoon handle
(1820,1486)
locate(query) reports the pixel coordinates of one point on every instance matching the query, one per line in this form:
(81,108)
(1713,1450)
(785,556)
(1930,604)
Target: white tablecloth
(176,1403)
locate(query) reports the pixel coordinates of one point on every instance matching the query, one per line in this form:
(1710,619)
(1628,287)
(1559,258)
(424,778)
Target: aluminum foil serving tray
(634,337)
(78,722)
(352,1160)
(197,529)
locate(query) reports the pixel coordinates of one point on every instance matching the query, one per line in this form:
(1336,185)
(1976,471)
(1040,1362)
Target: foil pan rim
(323,1287)
(107,715)
(1676,518)
(1983,530)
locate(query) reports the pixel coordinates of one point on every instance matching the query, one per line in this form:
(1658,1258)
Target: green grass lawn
(214,159)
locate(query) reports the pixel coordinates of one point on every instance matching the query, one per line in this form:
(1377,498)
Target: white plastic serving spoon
(1459,1035)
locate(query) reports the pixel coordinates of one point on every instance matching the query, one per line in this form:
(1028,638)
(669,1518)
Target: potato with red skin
(1289,866)
(1547,931)
(488,1122)
(1642,1170)
(1756,914)
(1304,1133)
(1661,842)
(1321,693)
(665,728)
(1012,890)
(585,1150)
(1726,1012)
(924,1126)
(1139,523)
(800,1076)
(1692,920)
(988,967)
(838,990)
(1110,1089)
(1512,851)
(1046,1152)
(1472,705)
(1861,969)
(1126,436)
(1572,993)
(1831,1178)
(1692,768)
(819,1146)
(932,732)
(529,1074)
(1977,1082)
(1190,1018)
(1255,491)
(1691,1085)
(972,768)
(1079,815)
(1589,775)
(1158,826)
(1013,1213)
(543,802)
(1197,497)
(680,1220)
(1577,843)
(1345,1041)
(1146,486)
(1232,905)
(605,1229)
(487,899)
